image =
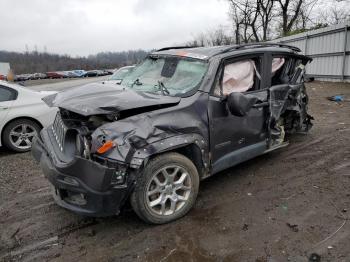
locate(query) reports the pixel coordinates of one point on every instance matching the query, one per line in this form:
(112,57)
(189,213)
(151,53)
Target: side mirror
(240,104)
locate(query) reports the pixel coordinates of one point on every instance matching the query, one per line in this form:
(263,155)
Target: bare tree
(252,19)
(214,37)
(218,37)
(266,13)
(198,40)
(335,15)
(306,19)
(290,11)
(245,14)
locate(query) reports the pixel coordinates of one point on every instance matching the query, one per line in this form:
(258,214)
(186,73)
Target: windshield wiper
(162,88)
(136,82)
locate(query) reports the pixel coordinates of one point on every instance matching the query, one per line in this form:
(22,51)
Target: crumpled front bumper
(82,186)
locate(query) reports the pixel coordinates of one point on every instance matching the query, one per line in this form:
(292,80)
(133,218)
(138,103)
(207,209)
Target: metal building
(4,68)
(330,49)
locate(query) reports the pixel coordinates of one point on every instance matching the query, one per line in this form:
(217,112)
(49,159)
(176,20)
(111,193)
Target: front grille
(59,131)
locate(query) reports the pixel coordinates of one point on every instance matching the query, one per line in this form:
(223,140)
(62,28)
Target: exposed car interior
(283,69)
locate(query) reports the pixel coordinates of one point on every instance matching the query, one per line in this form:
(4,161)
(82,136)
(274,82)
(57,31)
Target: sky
(83,27)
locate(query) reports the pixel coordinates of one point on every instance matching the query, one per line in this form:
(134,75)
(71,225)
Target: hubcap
(168,190)
(21,136)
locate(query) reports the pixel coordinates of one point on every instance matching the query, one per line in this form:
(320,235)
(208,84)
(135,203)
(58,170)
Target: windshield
(166,75)
(121,73)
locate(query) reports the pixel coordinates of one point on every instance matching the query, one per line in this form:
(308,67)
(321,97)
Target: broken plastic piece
(105,147)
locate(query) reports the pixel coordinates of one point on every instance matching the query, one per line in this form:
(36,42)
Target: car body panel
(151,133)
(28,104)
(109,98)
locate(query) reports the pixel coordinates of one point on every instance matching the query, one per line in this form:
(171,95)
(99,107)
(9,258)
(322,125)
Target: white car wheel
(19,134)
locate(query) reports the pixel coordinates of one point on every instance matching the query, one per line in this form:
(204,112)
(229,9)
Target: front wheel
(166,190)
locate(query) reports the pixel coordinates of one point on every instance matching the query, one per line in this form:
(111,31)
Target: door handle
(3,108)
(261,105)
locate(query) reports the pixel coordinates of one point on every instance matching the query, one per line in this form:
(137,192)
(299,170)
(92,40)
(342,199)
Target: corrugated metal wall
(330,49)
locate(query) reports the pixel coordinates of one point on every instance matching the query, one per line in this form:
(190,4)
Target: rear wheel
(166,190)
(18,135)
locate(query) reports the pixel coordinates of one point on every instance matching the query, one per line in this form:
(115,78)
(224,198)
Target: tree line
(33,62)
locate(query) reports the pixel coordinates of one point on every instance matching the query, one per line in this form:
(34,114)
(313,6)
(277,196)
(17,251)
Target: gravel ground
(281,206)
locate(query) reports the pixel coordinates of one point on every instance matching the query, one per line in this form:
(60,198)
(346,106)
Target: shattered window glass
(167,75)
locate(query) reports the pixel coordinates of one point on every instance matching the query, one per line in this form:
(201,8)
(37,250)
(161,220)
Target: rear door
(287,92)
(7,97)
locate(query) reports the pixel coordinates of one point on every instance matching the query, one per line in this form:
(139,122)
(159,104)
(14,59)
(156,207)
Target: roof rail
(259,45)
(175,47)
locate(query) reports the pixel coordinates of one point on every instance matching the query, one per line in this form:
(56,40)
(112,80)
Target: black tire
(139,200)
(6,133)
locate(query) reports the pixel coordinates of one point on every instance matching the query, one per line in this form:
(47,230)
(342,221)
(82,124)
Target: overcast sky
(83,27)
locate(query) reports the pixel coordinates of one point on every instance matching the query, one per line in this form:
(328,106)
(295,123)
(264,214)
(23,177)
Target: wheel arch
(193,152)
(194,147)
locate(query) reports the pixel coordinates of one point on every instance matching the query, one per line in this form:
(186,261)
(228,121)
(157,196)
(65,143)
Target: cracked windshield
(166,75)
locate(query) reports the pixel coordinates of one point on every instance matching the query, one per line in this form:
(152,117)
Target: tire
(20,129)
(174,199)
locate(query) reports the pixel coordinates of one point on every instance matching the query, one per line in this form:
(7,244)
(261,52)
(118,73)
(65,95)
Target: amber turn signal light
(105,147)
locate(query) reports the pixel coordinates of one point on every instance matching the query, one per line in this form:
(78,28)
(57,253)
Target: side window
(239,76)
(284,69)
(7,94)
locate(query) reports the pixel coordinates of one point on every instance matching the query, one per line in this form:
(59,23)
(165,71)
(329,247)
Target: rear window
(7,94)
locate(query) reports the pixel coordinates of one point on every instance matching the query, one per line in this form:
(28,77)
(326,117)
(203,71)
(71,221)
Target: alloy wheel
(168,190)
(21,136)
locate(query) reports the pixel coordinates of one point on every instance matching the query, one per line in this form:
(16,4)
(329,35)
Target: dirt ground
(281,206)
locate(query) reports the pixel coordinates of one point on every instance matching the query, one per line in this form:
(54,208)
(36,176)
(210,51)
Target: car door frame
(5,107)
(290,85)
(251,149)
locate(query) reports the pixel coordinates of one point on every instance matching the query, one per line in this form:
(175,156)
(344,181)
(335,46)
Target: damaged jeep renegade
(180,116)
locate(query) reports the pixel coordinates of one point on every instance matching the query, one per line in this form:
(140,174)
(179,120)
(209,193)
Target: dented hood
(98,98)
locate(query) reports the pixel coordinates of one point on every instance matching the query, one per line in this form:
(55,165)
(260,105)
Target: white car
(119,75)
(22,115)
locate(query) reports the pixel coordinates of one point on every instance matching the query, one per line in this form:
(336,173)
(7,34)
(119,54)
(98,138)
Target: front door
(234,139)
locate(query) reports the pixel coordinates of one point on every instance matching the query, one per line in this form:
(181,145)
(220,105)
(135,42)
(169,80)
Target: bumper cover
(82,186)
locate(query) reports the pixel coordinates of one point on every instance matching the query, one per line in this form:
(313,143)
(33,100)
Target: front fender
(141,156)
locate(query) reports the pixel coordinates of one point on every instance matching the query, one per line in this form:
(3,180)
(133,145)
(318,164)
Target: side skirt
(238,156)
